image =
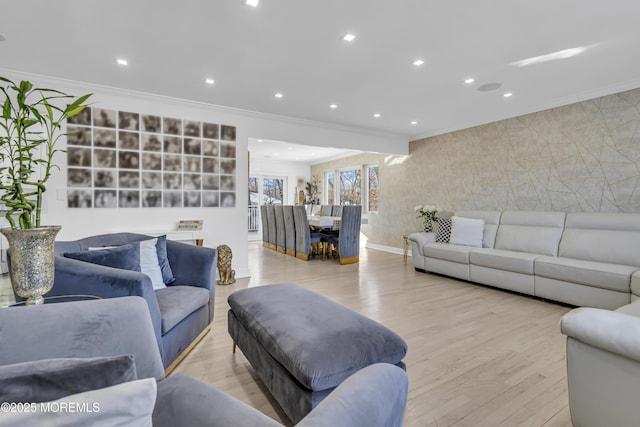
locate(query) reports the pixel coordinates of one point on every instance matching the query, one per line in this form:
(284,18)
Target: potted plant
(30,126)
(428,215)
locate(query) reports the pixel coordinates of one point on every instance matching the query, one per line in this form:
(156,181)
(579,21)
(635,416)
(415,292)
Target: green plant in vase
(30,127)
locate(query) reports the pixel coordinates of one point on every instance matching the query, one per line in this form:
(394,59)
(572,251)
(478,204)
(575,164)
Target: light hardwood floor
(477,356)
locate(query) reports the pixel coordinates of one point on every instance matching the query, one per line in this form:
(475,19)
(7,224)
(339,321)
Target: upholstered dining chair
(271,223)
(305,240)
(326,210)
(347,241)
(265,226)
(280,229)
(290,231)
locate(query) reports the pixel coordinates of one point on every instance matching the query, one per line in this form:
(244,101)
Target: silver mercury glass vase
(32,261)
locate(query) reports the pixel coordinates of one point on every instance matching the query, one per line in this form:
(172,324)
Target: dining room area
(313,232)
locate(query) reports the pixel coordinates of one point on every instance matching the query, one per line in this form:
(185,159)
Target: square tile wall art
(120,159)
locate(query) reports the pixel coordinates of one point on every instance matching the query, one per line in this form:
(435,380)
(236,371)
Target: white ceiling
(294,46)
(288,152)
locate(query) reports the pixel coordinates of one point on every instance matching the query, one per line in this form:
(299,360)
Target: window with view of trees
(266,191)
(372,188)
(350,187)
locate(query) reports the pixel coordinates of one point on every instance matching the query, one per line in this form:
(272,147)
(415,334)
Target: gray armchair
(180,313)
(373,397)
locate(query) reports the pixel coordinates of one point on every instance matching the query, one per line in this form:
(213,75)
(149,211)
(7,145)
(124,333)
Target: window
(254,196)
(350,183)
(266,191)
(372,188)
(272,191)
(330,189)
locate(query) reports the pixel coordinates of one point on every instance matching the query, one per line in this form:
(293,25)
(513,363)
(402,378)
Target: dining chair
(290,231)
(265,226)
(347,242)
(305,240)
(271,222)
(280,229)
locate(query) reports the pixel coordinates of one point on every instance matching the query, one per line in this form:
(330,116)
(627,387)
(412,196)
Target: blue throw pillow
(161,248)
(126,257)
(50,379)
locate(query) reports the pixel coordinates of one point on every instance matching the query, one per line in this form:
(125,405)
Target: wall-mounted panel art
(122,159)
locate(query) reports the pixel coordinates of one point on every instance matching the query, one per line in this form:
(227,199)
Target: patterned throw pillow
(444,230)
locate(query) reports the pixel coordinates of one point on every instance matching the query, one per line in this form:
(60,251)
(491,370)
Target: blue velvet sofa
(83,351)
(180,313)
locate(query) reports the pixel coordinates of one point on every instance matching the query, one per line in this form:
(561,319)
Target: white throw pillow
(149,264)
(126,405)
(466,231)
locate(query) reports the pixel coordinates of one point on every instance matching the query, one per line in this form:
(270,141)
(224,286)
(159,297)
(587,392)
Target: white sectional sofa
(583,259)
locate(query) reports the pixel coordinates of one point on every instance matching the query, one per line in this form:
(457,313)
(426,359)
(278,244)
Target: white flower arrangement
(428,215)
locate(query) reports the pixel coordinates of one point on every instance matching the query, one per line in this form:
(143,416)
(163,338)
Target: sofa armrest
(604,329)
(75,277)
(375,396)
(94,328)
(418,240)
(192,265)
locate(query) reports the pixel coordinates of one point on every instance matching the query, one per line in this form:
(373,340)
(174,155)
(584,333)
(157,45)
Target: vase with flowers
(428,215)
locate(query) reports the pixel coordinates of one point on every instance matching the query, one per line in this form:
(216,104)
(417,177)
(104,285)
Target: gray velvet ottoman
(303,345)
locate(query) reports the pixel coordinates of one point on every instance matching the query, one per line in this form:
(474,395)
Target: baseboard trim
(384,248)
(186,351)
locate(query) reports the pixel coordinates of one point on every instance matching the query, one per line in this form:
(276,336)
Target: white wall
(221,225)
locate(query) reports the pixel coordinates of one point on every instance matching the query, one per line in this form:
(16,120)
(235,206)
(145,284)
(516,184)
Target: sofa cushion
(178,302)
(598,274)
(532,232)
(602,237)
(517,262)
(466,231)
(128,404)
(185,401)
(318,341)
(51,379)
(447,252)
(126,257)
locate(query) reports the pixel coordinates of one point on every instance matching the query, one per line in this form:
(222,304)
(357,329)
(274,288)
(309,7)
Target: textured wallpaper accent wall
(583,157)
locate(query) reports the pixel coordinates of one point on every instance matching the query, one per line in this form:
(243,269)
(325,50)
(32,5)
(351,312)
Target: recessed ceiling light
(333,106)
(470,80)
(349,37)
(275,154)
(377,115)
(289,148)
(209,81)
(252,3)
(122,61)
(507,95)
(259,140)
(418,62)
(278,95)
(414,122)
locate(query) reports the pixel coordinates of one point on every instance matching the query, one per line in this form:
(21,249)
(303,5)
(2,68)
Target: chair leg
(233,350)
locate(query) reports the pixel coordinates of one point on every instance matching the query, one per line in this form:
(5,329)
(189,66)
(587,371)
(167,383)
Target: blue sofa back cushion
(126,257)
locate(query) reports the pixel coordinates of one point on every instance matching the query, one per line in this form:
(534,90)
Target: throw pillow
(126,257)
(161,247)
(126,405)
(444,230)
(51,379)
(149,263)
(153,260)
(466,231)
